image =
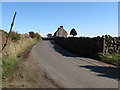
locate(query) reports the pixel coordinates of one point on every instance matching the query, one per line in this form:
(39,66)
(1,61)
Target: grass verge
(113,59)
(13,53)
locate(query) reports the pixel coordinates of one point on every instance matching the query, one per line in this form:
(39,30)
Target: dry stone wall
(111,44)
(90,47)
(83,46)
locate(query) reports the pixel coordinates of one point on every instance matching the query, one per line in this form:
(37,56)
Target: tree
(73,32)
(49,35)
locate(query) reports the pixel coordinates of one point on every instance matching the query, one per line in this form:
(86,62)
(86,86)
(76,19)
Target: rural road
(70,71)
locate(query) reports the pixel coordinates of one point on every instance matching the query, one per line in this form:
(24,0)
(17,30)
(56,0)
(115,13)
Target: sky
(88,18)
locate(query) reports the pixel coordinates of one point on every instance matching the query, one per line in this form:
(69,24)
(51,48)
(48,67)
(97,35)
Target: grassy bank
(11,55)
(111,58)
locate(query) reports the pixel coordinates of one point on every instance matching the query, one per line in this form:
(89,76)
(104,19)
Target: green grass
(9,64)
(111,58)
(11,56)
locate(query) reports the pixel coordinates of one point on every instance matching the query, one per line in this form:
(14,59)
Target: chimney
(61,26)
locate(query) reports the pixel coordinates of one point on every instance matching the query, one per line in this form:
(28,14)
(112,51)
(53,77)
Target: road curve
(70,71)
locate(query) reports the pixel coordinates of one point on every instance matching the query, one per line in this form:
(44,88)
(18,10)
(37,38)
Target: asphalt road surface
(69,71)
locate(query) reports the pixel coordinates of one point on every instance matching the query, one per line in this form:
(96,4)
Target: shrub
(15,36)
(37,36)
(32,34)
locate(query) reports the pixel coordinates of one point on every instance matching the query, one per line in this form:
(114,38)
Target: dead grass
(11,55)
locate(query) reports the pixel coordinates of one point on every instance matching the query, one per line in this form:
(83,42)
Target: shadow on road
(103,71)
(62,51)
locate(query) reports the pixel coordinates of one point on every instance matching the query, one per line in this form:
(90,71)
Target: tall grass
(12,52)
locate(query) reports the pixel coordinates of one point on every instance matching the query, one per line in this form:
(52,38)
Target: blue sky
(88,18)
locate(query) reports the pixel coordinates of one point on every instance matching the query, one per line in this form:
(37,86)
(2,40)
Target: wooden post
(9,32)
(103,45)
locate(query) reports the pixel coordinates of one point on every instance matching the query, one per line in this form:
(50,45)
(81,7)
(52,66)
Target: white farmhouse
(60,32)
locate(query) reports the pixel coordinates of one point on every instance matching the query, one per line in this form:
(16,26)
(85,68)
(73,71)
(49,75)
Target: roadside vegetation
(13,53)
(111,58)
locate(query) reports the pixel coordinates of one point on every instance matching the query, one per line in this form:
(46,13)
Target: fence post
(103,45)
(9,32)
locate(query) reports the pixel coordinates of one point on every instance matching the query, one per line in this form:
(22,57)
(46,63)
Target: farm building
(60,32)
